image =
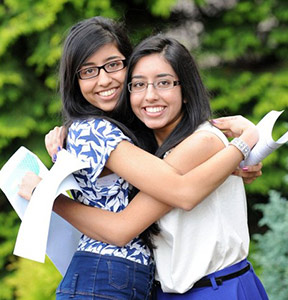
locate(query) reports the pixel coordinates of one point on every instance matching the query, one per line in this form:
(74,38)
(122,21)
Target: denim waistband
(140,266)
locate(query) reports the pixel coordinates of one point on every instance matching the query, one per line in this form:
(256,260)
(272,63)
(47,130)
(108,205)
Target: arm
(159,180)
(120,228)
(54,140)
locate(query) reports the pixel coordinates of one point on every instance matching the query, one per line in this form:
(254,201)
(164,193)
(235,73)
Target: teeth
(107,93)
(154,109)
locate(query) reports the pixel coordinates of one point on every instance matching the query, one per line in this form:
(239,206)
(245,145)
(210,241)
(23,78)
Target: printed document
(42,231)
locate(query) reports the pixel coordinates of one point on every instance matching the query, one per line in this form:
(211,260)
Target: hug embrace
(161,191)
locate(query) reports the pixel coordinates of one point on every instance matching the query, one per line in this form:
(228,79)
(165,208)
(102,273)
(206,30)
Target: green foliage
(249,43)
(161,7)
(9,224)
(271,252)
(40,283)
(253,94)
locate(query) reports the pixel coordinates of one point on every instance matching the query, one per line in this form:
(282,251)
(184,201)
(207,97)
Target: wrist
(241,146)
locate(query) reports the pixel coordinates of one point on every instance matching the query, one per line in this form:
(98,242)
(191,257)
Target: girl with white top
(202,253)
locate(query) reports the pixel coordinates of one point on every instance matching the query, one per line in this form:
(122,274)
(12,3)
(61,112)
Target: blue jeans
(244,287)
(92,276)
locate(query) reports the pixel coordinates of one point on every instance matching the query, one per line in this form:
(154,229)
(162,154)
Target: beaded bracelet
(241,146)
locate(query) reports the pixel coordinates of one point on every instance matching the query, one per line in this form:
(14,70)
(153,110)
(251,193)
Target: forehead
(152,65)
(104,54)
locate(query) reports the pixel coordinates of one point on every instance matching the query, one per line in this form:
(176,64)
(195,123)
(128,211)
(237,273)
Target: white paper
(11,175)
(37,235)
(266,145)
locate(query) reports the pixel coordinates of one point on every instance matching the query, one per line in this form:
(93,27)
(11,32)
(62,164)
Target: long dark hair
(195,107)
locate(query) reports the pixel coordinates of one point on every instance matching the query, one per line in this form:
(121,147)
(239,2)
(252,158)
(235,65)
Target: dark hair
(196,108)
(84,39)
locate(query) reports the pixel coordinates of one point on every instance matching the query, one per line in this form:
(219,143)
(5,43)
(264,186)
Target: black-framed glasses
(93,71)
(161,85)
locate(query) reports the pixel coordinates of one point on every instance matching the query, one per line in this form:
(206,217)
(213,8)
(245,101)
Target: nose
(104,78)
(151,94)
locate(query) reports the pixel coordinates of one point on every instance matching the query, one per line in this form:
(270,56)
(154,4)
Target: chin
(153,126)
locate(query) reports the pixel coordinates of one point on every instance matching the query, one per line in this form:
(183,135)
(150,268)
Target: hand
(249,173)
(238,126)
(27,185)
(54,141)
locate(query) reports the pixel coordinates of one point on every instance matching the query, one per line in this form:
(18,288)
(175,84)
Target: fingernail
(245,169)
(214,121)
(54,157)
(58,148)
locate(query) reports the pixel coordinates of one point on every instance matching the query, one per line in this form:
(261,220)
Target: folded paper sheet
(266,145)
(42,231)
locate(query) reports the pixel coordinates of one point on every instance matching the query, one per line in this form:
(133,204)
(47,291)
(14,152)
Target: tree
(271,248)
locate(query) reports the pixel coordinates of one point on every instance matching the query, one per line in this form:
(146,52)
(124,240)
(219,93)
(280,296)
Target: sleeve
(93,141)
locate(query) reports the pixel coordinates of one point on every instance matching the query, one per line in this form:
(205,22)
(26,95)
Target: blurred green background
(242,50)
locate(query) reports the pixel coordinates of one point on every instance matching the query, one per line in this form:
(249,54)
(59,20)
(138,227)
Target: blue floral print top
(93,141)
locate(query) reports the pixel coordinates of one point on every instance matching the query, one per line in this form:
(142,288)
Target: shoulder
(99,127)
(195,149)
(209,128)
(92,123)
(205,136)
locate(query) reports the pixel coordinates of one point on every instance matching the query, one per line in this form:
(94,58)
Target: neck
(161,135)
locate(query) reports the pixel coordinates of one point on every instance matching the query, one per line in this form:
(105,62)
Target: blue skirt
(244,287)
(92,276)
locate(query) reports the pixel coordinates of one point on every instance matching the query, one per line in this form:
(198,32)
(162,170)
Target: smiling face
(103,91)
(160,110)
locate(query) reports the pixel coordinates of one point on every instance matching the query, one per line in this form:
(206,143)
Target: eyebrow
(157,76)
(110,58)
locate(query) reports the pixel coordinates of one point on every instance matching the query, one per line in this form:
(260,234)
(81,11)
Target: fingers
(29,181)
(238,126)
(249,180)
(255,168)
(54,141)
(231,126)
(249,173)
(232,122)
